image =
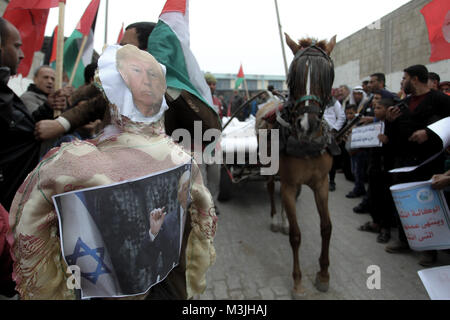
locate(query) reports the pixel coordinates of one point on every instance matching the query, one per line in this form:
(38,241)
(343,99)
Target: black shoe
(332,186)
(428,258)
(384,236)
(360,208)
(353,194)
(398,247)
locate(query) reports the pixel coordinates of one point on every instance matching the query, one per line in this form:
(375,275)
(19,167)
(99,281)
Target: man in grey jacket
(42,90)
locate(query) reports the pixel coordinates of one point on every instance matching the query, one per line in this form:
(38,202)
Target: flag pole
(59,52)
(77,61)
(281,38)
(106,24)
(246,89)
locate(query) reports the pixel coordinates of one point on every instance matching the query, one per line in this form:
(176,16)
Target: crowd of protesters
(29,131)
(406,141)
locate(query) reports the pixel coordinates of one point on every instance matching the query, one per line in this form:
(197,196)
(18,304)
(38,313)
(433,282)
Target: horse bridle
(316,107)
(312,50)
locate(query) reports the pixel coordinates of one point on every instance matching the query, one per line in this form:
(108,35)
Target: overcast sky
(225,33)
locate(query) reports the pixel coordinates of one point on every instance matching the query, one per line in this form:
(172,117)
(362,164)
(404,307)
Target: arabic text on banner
(424,215)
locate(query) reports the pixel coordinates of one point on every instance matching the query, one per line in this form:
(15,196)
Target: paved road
(254,263)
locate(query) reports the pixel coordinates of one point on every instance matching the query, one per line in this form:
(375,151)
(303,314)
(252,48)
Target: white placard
(437,282)
(367,136)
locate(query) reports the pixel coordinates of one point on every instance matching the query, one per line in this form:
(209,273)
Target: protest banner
(424,215)
(367,136)
(124,237)
(437,282)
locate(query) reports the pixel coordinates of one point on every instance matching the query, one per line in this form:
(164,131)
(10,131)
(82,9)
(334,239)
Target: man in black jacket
(412,141)
(19,151)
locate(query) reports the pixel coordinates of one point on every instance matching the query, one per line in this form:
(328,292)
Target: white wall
(349,74)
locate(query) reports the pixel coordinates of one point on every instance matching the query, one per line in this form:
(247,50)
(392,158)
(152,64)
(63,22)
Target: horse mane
(306,42)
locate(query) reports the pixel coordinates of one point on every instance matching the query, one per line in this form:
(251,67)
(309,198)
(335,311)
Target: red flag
(85,23)
(30,18)
(34,4)
(119,38)
(241,72)
(175,6)
(437,18)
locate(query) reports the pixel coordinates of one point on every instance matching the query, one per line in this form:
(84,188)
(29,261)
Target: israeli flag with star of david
(83,246)
(106,232)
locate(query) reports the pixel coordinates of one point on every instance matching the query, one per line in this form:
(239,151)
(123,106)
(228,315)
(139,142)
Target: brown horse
(304,158)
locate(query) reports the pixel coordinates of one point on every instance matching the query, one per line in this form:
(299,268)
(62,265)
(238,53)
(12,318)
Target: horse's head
(310,79)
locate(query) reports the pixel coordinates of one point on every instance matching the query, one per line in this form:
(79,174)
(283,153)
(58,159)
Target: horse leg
(274,224)
(284,222)
(288,197)
(321,197)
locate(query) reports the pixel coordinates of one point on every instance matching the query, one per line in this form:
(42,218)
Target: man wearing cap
(211,81)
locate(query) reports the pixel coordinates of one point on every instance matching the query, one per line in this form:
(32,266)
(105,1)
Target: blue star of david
(81,250)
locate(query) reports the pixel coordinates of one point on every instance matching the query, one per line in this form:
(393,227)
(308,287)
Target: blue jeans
(359,164)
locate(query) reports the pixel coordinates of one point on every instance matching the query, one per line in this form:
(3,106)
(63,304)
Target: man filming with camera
(412,142)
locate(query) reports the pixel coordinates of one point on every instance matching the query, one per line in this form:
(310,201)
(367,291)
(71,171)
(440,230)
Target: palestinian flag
(72,45)
(239,78)
(50,52)
(169,44)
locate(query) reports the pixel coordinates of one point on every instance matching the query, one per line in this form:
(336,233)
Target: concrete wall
(396,41)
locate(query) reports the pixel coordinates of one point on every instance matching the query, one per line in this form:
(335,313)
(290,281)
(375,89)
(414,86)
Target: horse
(305,141)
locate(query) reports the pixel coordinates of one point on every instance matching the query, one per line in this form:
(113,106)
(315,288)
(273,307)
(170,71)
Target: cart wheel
(225,185)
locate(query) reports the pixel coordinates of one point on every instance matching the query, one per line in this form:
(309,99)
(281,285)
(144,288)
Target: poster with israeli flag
(122,239)
(424,215)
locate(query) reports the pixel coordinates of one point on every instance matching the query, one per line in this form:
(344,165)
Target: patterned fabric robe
(129,151)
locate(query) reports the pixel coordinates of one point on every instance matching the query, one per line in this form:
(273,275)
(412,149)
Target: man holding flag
(188,94)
